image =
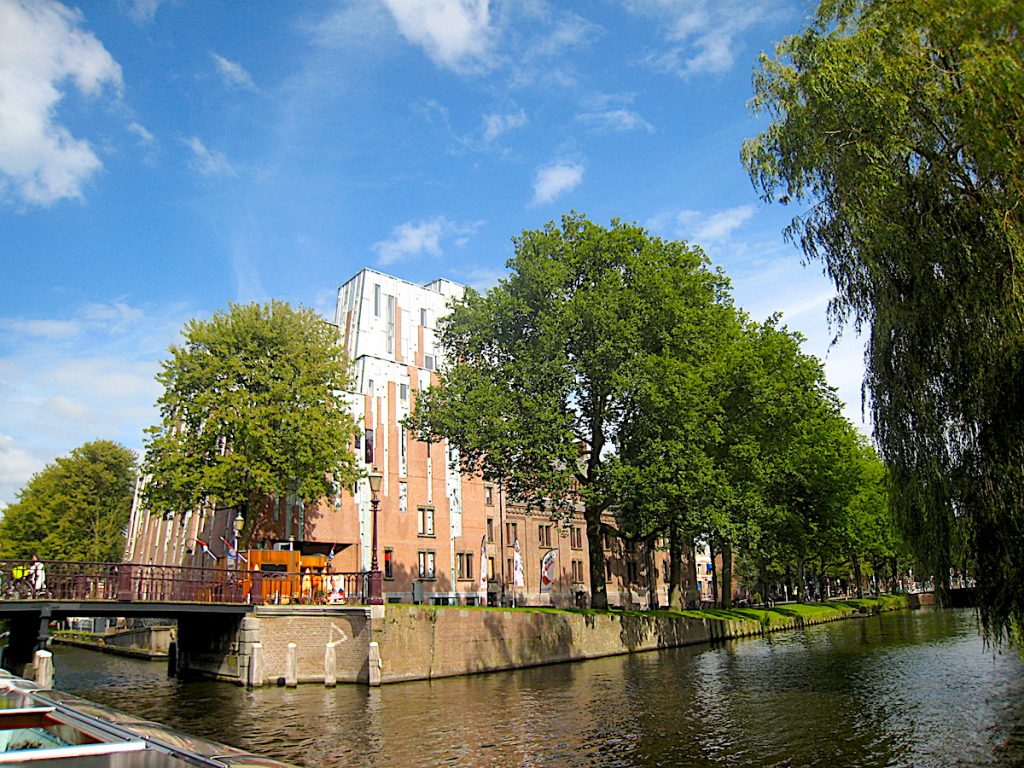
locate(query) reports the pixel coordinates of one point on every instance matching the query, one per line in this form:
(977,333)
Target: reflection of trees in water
(908,688)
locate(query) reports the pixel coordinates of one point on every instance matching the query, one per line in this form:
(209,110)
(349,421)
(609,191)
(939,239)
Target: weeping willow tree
(898,125)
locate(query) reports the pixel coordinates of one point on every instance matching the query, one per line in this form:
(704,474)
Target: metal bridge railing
(69,580)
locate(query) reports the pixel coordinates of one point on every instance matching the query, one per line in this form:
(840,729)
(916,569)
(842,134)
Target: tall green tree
(74,509)
(785,452)
(253,407)
(870,533)
(543,368)
(900,125)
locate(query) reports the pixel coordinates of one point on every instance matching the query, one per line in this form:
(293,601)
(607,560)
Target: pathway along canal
(910,688)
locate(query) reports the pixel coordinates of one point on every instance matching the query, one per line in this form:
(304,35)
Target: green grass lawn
(764,616)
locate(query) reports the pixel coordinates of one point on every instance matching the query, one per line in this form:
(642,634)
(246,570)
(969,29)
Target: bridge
(205,601)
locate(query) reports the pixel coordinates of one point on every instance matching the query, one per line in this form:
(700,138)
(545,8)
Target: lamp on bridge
(376,596)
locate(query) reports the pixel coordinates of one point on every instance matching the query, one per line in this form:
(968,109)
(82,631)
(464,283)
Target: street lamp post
(376,596)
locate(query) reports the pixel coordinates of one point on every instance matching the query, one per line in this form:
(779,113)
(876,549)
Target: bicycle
(19,586)
(22,585)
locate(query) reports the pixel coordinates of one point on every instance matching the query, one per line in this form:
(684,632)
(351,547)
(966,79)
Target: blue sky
(161,158)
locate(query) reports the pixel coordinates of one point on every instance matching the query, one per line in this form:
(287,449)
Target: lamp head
(375,477)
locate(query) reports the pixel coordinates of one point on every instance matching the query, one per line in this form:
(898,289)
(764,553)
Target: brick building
(435,526)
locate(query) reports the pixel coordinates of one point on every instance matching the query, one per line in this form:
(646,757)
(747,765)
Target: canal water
(914,688)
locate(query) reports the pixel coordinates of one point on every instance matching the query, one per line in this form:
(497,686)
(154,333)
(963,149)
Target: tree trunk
(822,587)
(726,574)
(652,580)
(675,571)
(857,576)
(714,574)
(801,574)
(692,593)
(598,587)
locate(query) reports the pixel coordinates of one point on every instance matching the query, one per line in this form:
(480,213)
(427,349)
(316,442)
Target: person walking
(37,575)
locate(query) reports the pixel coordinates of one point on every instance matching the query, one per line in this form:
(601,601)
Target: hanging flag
(547,570)
(205,548)
(233,553)
(484,575)
(518,575)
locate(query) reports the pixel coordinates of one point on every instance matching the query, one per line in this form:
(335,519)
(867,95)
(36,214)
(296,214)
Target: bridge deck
(92,584)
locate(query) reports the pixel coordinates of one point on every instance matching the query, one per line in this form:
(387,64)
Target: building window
(631,574)
(423,317)
(509,570)
(464,565)
(428,362)
(511,533)
(426,563)
(544,535)
(402,443)
(368,453)
(425,526)
(370,389)
(490,530)
(376,300)
(607,569)
(576,537)
(489,495)
(403,391)
(389,559)
(606,542)
(577,571)
(390,323)
(491,575)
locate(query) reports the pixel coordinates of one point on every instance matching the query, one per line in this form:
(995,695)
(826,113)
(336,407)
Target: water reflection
(906,689)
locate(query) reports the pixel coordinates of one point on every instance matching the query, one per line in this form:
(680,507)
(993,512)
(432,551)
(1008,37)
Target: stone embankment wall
(144,642)
(295,644)
(422,642)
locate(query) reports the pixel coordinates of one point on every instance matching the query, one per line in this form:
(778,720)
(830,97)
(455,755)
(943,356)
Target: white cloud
(233,73)
(414,238)
(495,125)
(703,228)
(16,464)
(116,317)
(616,120)
(354,26)
(559,35)
(143,11)
(208,162)
(59,391)
(42,50)
(145,137)
(51,329)
(701,36)
(455,34)
(554,180)
(108,318)
(65,408)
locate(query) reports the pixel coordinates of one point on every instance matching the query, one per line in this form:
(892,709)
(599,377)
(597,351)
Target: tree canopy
(539,389)
(900,124)
(74,509)
(253,406)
